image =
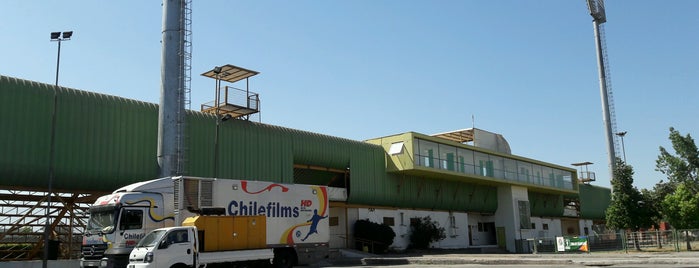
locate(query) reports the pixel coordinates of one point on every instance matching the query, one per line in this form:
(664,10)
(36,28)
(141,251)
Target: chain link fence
(672,240)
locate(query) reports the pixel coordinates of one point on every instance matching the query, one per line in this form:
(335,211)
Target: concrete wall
(507,214)
(554,227)
(457,233)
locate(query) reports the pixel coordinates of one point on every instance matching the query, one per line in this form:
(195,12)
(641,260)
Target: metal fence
(673,240)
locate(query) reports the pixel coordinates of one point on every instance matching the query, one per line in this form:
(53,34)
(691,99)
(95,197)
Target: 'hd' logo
(306,203)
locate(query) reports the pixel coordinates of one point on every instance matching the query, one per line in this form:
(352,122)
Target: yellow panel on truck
(221,233)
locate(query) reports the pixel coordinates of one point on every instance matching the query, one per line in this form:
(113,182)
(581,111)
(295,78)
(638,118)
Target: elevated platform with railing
(234,101)
(229,101)
(585,176)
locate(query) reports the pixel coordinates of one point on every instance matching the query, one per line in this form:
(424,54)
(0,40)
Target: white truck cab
(178,246)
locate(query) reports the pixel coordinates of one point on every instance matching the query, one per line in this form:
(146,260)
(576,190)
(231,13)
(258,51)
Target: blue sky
(366,69)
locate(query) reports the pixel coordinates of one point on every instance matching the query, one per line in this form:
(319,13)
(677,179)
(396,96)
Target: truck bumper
(90,263)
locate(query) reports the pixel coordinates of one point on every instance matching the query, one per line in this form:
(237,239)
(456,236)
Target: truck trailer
(295,216)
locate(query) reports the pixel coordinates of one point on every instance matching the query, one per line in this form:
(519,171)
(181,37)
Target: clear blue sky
(366,69)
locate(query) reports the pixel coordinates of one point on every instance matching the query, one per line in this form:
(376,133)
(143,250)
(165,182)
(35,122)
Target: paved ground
(456,258)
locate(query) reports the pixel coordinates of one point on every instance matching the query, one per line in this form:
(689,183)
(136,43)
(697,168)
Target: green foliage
(377,237)
(677,197)
(629,209)
(681,208)
(681,167)
(425,231)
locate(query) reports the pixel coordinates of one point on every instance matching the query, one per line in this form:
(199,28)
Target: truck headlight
(148,258)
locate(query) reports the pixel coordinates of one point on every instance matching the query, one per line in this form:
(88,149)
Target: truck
(296,216)
(205,241)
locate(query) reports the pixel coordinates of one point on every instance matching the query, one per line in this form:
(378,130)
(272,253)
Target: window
(483,165)
(334,221)
(447,157)
(177,236)
(131,219)
(465,161)
(402,219)
(524,214)
(587,231)
(546,226)
(426,153)
(389,221)
(533,225)
(396,148)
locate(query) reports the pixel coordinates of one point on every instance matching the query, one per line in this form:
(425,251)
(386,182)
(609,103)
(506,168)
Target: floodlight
(55,35)
(67,34)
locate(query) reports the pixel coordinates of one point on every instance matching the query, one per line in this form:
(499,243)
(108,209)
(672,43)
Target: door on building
(338,227)
(470,235)
(502,238)
(484,234)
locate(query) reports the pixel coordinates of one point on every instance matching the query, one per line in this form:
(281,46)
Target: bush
(424,231)
(377,237)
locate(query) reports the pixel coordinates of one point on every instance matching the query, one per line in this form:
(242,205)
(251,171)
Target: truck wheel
(284,258)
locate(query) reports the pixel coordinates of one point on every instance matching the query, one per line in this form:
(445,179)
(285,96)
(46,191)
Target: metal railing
(672,240)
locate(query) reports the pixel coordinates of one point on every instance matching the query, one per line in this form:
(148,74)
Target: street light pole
(622,134)
(57,37)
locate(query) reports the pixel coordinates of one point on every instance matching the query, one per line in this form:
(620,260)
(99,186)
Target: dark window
(388,221)
(533,225)
(178,236)
(334,221)
(131,219)
(546,226)
(587,231)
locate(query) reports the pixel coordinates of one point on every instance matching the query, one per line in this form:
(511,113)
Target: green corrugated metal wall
(594,201)
(546,205)
(104,142)
(99,138)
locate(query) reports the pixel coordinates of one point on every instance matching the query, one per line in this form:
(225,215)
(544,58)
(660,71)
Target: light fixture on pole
(622,134)
(55,37)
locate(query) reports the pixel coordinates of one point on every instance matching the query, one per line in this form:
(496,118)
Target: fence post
(623,241)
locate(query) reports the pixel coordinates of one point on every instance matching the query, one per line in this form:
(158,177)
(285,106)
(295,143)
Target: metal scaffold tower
(599,17)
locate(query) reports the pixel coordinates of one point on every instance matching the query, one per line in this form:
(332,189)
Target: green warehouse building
(467,180)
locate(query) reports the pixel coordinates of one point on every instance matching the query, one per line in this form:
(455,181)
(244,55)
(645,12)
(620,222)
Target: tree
(623,211)
(681,209)
(377,237)
(424,231)
(628,208)
(679,168)
(678,195)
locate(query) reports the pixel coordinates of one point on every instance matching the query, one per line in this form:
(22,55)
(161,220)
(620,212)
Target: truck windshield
(151,239)
(102,219)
